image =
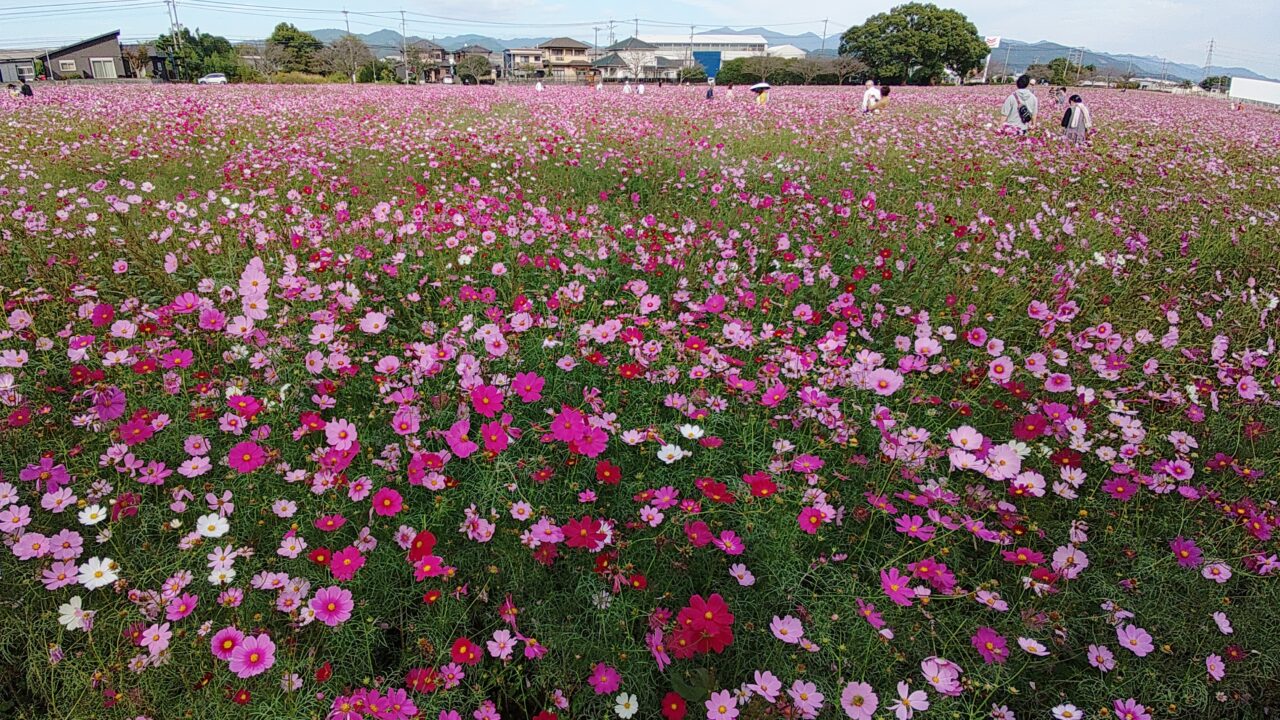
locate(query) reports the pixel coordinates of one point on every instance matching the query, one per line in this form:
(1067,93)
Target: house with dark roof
(97,58)
(18,65)
(633,59)
(566,59)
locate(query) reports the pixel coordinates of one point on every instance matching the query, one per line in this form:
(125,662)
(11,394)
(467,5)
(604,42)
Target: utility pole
(691,29)
(596,43)
(1164,71)
(351,59)
(404,49)
(1006,60)
(636,34)
(611,40)
(824,36)
(175,32)
(1208,61)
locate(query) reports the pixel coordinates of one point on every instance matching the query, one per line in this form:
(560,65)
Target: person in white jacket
(870,97)
(1077,122)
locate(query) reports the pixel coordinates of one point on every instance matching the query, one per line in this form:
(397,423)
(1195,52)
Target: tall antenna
(1208,61)
(824,37)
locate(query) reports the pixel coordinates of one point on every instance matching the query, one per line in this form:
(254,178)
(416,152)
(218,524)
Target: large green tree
(915,43)
(301,50)
(198,54)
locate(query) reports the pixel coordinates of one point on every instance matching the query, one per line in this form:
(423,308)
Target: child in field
(1077,121)
(882,102)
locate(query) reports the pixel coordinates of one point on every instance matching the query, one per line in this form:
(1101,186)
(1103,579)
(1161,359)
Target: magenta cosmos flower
(992,646)
(247,456)
(255,655)
(332,605)
(487,400)
(225,642)
(1186,552)
(604,679)
(1130,709)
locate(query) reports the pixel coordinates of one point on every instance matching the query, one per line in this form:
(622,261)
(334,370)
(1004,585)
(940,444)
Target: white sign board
(993,41)
(1263,91)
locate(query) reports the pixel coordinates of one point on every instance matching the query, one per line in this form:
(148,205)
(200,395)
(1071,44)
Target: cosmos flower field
(480,403)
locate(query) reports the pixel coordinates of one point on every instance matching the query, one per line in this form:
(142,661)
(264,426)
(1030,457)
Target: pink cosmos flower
(914,526)
(909,702)
(806,698)
(1135,640)
(528,386)
(156,638)
(604,679)
(992,646)
(896,586)
(1218,572)
(340,434)
(345,563)
(246,456)
(807,464)
(787,629)
(775,394)
(332,605)
(722,705)
(494,436)
(225,641)
(859,701)
(569,425)
(1101,657)
(810,520)
(883,381)
(387,502)
(254,656)
(181,606)
(1130,709)
(487,400)
(1213,664)
(459,443)
(1186,552)
(1058,382)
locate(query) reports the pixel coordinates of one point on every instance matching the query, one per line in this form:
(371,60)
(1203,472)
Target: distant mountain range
(1015,53)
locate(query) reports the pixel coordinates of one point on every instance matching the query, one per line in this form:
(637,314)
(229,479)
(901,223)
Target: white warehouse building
(710,51)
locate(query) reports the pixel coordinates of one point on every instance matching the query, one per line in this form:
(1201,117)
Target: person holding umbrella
(761,89)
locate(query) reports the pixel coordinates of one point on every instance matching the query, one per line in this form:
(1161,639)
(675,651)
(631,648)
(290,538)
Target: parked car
(213,79)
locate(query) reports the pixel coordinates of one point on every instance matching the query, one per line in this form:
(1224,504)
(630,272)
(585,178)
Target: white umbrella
(760,87)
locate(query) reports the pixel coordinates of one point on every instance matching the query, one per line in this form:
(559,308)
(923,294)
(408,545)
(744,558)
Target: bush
(298,78)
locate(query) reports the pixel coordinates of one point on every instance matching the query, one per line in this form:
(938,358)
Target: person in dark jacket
(26,90)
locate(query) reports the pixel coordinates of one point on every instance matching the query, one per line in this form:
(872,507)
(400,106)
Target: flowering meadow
(485,403)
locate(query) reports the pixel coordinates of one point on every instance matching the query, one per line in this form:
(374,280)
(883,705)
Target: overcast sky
(1244,30)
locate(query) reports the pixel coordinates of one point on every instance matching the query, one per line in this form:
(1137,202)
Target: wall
(108,48)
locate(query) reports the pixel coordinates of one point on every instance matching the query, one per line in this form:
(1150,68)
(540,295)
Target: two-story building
(98,58)
(710,51)
(566,59)
(522,62)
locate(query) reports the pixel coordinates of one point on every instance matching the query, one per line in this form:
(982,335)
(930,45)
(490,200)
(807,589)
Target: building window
(66,66)
(26,72)
(103,68)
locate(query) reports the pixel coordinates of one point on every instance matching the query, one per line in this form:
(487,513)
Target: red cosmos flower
(423,543)
(608,473)
(423,680)
(320,556)
(1066,457)
(583,533)
(717,491)
(760,483)
(1030,427)
(241,697)
(465,652)
(638,582)
(673,706)
(630,370)
(546,715)
(431,596)
(324,672)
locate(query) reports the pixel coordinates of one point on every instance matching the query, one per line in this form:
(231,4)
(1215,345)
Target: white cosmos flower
(92,515)
(625,705)
(670,453)
(71,614)
(691,432)
(212,525)
(222,577)
(98,572)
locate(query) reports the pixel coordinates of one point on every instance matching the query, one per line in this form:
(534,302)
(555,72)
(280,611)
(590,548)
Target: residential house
(522,62)
(612,67)
(98,58)
(18,65)
(566,59)
(429,59)
(495,61)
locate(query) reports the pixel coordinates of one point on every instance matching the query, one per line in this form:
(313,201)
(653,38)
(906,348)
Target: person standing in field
(870,96)
(883,102)
(1020,108)
(728,94)
(626,88)
(25,90)
(762,97)
(1077,121)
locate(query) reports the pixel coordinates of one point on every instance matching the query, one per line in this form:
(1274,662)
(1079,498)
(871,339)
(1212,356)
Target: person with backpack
(1076,121)
(1020,108)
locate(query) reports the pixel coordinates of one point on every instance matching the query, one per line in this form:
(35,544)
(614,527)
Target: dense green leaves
(916,43)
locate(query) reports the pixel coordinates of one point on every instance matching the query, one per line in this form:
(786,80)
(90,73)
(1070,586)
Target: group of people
(875,99)
(1022,108)
(24,91)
